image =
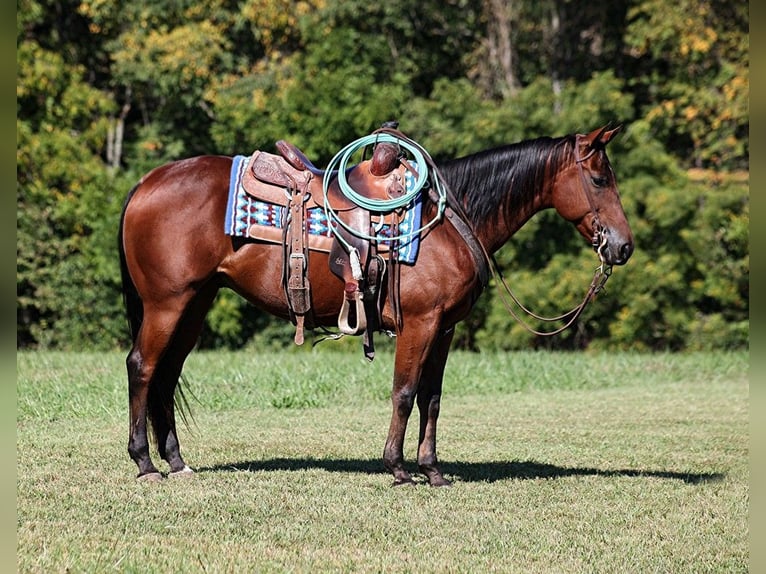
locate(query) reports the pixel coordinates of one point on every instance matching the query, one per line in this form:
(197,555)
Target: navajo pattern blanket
(245,214)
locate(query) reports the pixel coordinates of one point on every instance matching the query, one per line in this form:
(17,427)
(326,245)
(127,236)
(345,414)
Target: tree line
(107,90)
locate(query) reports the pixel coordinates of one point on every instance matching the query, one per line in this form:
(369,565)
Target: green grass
(561,463)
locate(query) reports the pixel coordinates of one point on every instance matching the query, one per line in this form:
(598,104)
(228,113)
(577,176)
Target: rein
(600,277)
(603,272)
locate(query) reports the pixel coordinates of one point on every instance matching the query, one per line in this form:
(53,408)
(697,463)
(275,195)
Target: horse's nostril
(626,251)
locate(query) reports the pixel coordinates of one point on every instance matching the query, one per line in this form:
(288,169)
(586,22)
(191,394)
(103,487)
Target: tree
(61,130)
(692,71)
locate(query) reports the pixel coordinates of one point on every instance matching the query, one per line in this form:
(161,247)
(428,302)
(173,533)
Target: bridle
(599,238)
(600,277)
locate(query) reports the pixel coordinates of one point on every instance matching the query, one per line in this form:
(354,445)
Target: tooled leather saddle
(292,182)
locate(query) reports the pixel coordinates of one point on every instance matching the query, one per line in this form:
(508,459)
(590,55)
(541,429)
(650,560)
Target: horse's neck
(499,202)
(508,216)
(511,218)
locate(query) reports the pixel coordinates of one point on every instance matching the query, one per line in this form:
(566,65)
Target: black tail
(134,308)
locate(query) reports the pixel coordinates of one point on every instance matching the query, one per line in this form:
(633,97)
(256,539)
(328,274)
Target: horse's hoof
(403,482)
(439,481)
(185,472)
(150,477)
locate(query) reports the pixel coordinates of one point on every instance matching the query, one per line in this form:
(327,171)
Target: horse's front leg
(413,346)
(429,399)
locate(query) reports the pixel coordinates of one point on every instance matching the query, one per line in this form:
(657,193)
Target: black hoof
(439,481)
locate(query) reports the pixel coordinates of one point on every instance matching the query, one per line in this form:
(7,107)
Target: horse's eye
(599,181)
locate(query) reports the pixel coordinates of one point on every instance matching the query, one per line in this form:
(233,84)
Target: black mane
(483,181)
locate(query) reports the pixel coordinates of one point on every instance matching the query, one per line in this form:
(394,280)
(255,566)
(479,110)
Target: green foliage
(454,119)
(694,67)
(66,207)
(108,90)
(691,265)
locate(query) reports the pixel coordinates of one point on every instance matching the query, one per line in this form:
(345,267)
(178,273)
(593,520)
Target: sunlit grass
(561,463)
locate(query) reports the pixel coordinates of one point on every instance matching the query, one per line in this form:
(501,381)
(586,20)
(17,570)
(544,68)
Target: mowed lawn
(560,462)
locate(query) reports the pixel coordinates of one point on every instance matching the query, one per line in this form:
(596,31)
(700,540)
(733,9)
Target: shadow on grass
(462,471)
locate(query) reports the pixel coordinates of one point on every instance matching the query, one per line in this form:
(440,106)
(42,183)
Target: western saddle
(292,181)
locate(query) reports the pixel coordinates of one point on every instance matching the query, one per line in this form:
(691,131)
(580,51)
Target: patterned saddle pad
(248,216)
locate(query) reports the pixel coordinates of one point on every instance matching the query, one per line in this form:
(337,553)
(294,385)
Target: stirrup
(361,318)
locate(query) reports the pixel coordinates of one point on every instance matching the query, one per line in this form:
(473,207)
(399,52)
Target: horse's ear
(602,136)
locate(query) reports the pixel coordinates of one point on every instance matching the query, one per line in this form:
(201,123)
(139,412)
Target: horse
(175,257)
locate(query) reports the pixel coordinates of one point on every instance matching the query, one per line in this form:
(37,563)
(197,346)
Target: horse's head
(586,194)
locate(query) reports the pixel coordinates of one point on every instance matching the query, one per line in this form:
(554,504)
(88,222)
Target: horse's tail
(134,307)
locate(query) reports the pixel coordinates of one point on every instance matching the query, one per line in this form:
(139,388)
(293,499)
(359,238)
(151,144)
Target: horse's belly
(255,271)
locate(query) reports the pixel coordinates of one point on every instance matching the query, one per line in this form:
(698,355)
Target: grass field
(561,463)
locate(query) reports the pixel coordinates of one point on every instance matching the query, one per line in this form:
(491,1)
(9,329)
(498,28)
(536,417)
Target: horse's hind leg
(151,342)
(154,364)
(162,410)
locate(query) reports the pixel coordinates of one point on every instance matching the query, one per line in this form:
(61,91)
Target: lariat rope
(418,166)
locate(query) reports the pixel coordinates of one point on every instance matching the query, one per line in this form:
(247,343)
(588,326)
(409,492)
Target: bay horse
(175,257)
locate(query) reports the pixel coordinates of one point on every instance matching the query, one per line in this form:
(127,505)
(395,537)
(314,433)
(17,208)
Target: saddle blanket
(244,212)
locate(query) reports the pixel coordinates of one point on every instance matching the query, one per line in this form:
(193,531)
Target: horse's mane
(483,181)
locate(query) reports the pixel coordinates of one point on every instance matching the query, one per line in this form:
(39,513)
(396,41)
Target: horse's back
(190,175)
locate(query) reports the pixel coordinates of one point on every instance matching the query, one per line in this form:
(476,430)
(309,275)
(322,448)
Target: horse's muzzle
(615,249)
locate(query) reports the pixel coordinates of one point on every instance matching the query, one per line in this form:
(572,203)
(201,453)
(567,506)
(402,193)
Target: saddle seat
(381,177)
(384,159)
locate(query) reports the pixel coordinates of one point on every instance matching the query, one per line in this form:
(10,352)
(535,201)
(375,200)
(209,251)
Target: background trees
(107,90)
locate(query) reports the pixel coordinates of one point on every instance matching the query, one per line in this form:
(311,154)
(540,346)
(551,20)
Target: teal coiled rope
(420,158)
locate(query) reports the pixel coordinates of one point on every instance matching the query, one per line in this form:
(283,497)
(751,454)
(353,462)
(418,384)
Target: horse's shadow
(461,471)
